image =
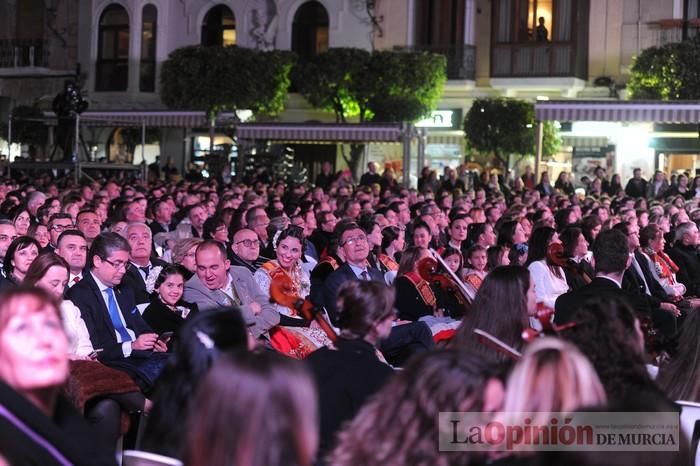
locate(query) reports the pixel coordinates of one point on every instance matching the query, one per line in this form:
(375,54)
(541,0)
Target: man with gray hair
(35,199)
(139,237)
(685,254)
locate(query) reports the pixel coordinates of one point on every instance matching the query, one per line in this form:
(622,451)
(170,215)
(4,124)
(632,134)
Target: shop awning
(629,111)
(156,118)
(319,132)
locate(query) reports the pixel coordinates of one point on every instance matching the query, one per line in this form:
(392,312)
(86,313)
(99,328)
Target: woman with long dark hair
(549,279)
(502,306)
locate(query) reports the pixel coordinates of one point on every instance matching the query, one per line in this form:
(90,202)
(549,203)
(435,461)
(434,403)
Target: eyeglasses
(118,264)
(249,243)
(60,227)
(356,239)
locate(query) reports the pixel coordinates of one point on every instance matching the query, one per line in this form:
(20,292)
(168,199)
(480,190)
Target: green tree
(383,86)
(669,72)
(226,79)
(507,126)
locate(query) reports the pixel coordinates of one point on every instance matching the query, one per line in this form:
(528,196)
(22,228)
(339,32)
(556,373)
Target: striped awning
(159,119)
(632,111)
(319,132)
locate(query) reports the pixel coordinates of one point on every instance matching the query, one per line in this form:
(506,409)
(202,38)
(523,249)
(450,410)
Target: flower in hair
(152,277)
(275,239)
(205,339)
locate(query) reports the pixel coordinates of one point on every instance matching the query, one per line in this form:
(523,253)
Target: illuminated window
(517,21)
(219,27)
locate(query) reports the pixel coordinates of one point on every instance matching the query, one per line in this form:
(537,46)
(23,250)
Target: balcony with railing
(461,59)
(23,53)
(536,59)
(668,31)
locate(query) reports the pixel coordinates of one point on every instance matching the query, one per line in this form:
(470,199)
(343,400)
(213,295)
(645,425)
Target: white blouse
(548,287)
(79,342)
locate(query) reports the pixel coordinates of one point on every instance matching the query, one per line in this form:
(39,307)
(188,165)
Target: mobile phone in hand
(95,352)
(164,336)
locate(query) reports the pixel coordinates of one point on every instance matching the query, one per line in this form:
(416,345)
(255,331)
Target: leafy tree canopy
(669,72)
(226,78)
(389,86)
(507,126)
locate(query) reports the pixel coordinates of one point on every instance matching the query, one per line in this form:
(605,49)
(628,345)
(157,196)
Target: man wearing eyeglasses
(246,250)
(58,223)
(406,338)
(110,314)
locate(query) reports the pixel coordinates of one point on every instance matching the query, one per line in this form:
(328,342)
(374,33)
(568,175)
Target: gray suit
(247,290)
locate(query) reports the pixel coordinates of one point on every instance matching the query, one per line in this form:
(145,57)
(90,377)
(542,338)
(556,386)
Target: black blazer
(654,286)
(688,260)
(67,431)
(162,319)
(599,287)
(345,379)
(337,278)
(87,296)
(132,280)
(409,302)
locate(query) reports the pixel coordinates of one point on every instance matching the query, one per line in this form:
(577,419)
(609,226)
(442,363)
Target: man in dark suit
(611,258)
(139,237)
(405,338)
(353,242)
(685,254)
(635,281)
(162,217)
(110,314)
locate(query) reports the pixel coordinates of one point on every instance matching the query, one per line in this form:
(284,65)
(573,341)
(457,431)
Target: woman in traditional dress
(294,336)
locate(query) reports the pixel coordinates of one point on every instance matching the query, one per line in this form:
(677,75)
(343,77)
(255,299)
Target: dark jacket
(88,297)
(409,302)
(600,287)
(345,379)
(337,278)
(163,319)
(687,259)
(636,187)
(25,433)
(135,282)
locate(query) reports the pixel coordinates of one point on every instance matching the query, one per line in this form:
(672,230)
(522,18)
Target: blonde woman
(552,377)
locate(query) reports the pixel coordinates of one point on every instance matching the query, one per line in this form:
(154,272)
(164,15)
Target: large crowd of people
(266,323)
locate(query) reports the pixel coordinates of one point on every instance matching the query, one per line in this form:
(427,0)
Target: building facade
(547,49)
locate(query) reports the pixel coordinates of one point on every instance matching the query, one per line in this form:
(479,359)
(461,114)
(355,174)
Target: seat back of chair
(690,425)
(143,458)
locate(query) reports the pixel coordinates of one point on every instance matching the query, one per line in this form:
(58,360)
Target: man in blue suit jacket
(110,314)
(406,338)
